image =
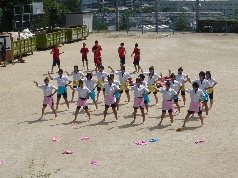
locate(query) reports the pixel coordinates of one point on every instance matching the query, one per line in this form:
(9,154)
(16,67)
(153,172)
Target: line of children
(198,93)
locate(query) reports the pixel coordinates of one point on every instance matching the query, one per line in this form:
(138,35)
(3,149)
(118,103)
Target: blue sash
(61,90)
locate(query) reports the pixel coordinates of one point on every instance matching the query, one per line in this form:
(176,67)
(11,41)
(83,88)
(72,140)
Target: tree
(38,21)
(166,9)
(181,23)
(72,5)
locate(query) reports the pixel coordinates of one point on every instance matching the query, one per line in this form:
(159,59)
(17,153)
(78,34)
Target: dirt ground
(27,149)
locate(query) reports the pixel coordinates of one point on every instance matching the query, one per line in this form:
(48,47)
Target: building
(227,7)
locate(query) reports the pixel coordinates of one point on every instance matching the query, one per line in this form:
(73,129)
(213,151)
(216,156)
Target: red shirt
(137,53)
(84,52)
(55,53)
(96,57)
(122,52)
(99,49)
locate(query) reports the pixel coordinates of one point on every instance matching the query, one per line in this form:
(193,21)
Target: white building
(224,6)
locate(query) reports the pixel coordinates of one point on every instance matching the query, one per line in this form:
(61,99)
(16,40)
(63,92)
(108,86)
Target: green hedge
(218,26)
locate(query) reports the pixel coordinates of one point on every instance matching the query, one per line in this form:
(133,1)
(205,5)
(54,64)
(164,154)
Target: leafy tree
(181,23)
(72,5)
(166,9)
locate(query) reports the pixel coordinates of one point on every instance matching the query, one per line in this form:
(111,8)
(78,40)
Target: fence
(165,22)
(218,26)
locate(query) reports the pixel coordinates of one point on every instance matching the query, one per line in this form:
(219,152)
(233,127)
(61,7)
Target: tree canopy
(53,13)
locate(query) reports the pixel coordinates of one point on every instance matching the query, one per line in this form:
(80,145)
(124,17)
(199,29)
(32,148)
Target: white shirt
(168,95)
(123,77)
(89,83)
(202,84)
(139,91)
(211,81)
(100,75)
(116,83)
(82,92)
(76,76)
(144,83)
(195,96)
(47,89)
(181,78)
(175,85)
(110,89)
(151,78)
(62,80)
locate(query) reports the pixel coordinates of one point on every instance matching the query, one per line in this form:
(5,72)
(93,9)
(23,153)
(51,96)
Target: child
(139,91)
(167,104)
(3,54)
(136,62)
(101,75)
(97,51)
(83,94)
(62,90)
(117,95)
(56,58)
(97,58)
(122,54)
(48,99)
(197,95)
(90,84)
(176,86)
(110,99)
(124,77)
(152,81)
(203,85)
(212,82)
(84,51)
(146,95)
(182,78)
(77,75)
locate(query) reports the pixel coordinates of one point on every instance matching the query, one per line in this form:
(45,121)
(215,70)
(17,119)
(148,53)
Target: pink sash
(139,102)
(167,105)
(195,106)
(81,102)
(48,100)
(110,99)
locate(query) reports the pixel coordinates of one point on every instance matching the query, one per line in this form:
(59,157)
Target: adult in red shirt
(84,51)
(97,48)
(122,54)
(56,58)
(136,62)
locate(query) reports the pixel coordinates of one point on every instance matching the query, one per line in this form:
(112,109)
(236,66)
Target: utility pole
(81,5)
(197,14)
(117,16)
(156,15)
(63,12)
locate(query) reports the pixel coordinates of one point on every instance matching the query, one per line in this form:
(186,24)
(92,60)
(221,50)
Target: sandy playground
(26,146)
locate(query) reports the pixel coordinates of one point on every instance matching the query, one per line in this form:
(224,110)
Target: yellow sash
(124,85)
(75,83)
(182,88)
(211,90)
(151,87)
(101,82)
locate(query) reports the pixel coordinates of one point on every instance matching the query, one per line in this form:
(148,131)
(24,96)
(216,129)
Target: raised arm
(36,83)
(111,69)
(66,73)
(50,76)
(169,72)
